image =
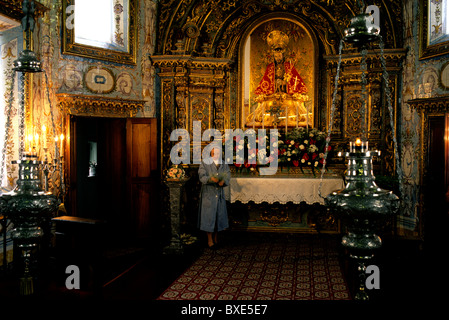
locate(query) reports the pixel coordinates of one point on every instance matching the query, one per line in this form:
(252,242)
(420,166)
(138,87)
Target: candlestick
(30,142)
(358,146)
(61,139)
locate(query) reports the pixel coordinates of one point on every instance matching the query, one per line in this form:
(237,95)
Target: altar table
(272,189)
(282,203)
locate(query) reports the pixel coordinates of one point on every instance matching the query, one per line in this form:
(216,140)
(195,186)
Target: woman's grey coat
(212,209)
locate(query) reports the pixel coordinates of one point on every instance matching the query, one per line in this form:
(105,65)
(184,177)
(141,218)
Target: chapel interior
(106,108)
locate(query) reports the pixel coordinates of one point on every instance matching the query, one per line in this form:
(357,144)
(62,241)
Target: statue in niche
(281,90)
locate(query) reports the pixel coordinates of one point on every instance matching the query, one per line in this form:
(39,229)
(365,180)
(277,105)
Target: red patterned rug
(265,267)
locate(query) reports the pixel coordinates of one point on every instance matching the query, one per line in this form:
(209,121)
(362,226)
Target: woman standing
(212,216)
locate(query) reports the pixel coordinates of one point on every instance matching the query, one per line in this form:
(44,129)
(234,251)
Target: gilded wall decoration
(99,80)
(9,83)
(98,106)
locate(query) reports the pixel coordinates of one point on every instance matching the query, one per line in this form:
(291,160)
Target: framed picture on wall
(101,29)
(434,28)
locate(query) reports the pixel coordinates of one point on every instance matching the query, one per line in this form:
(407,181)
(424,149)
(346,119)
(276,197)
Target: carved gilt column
(349,118)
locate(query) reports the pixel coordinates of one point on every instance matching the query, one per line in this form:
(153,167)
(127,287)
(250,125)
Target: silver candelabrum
(28,207)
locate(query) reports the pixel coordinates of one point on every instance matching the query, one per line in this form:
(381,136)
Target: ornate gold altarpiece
(199,62)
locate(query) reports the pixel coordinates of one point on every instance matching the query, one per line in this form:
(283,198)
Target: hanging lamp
(27,205)
(362,206)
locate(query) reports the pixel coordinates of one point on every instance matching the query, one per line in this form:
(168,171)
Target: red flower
(237,165)
(329,148)
(247,165)
(305,156)
(314,155)
(295,163)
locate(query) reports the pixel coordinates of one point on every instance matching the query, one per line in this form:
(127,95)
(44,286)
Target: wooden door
(142,174)
(124,190)
(436,218)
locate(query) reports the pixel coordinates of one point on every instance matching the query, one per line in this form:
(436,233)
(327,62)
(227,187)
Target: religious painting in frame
(120,48)
(434,28)
(279,68)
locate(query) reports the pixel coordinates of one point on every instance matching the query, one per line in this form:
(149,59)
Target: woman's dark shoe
(212,247)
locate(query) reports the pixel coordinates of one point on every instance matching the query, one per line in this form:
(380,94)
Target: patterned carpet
(265,267)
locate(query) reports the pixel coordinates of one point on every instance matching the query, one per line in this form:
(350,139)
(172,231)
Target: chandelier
(28,206)
(362,206)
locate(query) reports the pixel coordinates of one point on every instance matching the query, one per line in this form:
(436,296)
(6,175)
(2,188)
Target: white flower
(311,135)
(240,147)
(288,159)
(316,163)
(303,161)
(292,142)
(301,147)
(306,141)
(313,148)
(275,145)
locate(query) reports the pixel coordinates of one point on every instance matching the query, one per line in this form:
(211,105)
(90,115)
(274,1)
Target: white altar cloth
(283,189)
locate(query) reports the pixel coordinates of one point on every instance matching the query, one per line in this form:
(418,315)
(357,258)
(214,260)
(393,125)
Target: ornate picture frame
(428,47)
(299,49)
(71,47)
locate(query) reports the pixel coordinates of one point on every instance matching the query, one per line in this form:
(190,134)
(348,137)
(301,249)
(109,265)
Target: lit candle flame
(358,142)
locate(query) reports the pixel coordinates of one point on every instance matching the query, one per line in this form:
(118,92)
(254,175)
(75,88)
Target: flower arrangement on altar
(298,147)
(175,172)
(302,148)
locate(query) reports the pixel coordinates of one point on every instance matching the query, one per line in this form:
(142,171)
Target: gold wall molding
(95,106)
(13,9)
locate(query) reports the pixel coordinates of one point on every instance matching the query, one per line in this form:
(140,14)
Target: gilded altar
(203,60)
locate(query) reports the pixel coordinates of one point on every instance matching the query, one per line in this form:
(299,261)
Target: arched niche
(259,44)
